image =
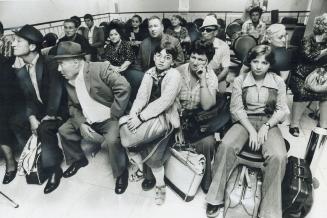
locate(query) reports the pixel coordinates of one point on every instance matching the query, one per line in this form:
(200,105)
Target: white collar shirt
(90,35)
(93,111)
(31,69)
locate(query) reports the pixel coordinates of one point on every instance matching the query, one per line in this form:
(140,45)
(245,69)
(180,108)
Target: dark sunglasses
(208,30)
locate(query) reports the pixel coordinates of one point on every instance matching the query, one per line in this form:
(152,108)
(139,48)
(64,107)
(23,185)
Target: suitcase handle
(301,172)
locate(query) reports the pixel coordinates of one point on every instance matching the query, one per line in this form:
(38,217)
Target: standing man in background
(95,36)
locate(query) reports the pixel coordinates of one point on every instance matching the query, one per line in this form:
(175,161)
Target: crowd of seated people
(84,82)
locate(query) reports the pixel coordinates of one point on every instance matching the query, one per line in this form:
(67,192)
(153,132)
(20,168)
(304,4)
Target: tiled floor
(90,193)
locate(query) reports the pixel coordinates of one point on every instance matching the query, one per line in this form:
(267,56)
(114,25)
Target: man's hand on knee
(34,122)
(87,131)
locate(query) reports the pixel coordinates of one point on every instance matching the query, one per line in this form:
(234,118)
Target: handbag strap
(156,147)
(243,172)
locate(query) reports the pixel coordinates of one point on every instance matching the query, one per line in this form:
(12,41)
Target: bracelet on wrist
(139,116)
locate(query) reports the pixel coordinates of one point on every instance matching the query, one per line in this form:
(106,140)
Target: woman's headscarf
(320,24)
(272,30)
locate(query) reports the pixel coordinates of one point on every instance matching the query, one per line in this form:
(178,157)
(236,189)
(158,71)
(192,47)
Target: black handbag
(297,188)
(37,175)
(213,120)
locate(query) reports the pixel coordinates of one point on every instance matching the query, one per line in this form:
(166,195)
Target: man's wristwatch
(267,124)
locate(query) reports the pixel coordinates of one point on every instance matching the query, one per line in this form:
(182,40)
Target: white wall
(238,5)
(147,5)
(289,5)
(19,12)
(207,5)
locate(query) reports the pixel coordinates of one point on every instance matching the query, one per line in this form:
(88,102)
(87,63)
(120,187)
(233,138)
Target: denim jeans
(275,155)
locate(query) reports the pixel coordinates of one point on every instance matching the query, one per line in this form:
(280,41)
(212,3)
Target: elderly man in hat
(221,61)
(254,26)
(97,97)
(46,104)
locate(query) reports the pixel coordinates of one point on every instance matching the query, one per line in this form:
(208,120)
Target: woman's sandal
(136,176)
(294,131)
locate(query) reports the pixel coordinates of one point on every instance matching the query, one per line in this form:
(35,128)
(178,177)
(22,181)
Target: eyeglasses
(165,57)
(208,30)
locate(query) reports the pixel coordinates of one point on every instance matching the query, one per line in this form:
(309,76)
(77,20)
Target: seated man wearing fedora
(97,98)
(221,60)
(46,103)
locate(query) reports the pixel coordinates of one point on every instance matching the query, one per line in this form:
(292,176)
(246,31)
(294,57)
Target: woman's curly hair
(320,24)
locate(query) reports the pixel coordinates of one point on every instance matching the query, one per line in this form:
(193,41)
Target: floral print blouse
(117,56)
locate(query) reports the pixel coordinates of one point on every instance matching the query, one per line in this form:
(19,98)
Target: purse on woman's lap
(148,131)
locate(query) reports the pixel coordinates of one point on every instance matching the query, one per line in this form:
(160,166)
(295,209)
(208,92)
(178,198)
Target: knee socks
(159,174)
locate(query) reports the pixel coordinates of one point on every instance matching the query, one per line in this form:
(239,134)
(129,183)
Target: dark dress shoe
(205,190)
(148,184)
(72,170)
(10,176)
(53,181)
(122,183)
(213,210)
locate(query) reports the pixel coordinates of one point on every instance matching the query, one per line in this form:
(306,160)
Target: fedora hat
(209,21)
(69,49)
(30,33)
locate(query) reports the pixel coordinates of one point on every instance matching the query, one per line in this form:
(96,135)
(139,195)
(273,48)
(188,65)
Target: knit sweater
(167,102)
